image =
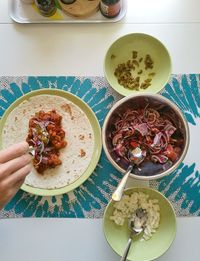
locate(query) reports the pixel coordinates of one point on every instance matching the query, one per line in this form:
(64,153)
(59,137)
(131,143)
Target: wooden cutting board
(80,8)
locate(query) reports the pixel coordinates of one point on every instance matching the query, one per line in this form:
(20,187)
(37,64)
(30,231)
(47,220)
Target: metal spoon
(136,226)
(135,157)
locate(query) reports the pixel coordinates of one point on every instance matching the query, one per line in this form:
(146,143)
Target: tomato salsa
(47,137)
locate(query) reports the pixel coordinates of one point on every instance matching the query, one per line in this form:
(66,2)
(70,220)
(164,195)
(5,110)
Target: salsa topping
(150,130)
(46,136)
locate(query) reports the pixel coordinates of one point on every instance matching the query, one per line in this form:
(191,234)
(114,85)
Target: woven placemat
(89,200)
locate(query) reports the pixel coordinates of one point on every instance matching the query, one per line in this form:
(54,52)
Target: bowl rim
(121,91)
(174,107)
(148,189)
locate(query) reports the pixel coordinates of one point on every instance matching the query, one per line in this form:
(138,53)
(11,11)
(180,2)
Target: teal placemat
(89,200)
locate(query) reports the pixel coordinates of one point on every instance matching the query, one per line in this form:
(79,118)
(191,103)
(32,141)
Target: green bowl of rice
(160,229)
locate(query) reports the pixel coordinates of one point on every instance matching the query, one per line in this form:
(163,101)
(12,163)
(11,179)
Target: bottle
(110,8)
(46,7)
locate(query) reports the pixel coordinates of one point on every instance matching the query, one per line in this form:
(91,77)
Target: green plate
(156,246)
(97,139)
(144,44)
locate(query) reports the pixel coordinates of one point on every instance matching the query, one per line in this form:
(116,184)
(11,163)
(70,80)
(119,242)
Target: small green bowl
(117,236)
(121,51)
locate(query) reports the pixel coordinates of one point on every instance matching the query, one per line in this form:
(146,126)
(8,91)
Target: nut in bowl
(137,62)
(159,231)
(152,123)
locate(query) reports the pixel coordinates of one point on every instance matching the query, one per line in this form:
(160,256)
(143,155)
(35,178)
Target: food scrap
(47,137)
(81,137)
(127,72)
(82,153)
(67,108)
(113,56)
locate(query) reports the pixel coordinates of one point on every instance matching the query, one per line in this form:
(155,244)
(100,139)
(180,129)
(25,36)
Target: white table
(80,240)
(79,50)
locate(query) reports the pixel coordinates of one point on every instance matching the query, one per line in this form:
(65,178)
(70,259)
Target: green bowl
(157,245)
(144,44)
(97,139)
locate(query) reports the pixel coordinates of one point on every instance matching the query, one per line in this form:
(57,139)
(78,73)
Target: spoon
(135,157)
(136,225)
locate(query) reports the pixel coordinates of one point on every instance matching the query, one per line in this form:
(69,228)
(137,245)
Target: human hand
(14,167)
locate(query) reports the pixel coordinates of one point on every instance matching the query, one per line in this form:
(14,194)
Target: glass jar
(110,8)
(46,7)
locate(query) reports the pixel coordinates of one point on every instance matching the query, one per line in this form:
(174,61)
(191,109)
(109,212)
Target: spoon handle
(117,195)
(123,258)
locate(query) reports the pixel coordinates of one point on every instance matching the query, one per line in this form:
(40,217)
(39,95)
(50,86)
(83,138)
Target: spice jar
(110,8)
(46,7)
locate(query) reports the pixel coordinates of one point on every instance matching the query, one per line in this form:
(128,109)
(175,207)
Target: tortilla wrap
(76,156)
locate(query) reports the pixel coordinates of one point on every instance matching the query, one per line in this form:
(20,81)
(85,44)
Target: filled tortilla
(75,157)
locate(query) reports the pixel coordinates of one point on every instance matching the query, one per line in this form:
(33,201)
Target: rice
(126,208)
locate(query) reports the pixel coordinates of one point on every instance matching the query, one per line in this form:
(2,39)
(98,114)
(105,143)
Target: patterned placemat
(89,200)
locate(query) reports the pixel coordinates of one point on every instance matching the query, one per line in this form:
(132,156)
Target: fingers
(11,184)
(13,152)
(14,165)
(17,178)
(19,184)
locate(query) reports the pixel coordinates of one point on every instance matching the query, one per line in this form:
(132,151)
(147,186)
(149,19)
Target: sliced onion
(44,160)
(41,124)
(167,165)
(48,149)
(33,142)
(142,128)
(116,138)
(46,123)
(119,124)
(159,158)
(156,140)
(164,142)
(130,114)
(155,150)
(151,113)
(169,131)
(40,160)
(120,150)
(148,128)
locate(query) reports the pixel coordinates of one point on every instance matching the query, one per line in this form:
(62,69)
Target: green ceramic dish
(117,237)
(97,139)
(144,44)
